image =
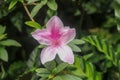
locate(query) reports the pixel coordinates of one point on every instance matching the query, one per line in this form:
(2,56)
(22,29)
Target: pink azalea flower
(56,37)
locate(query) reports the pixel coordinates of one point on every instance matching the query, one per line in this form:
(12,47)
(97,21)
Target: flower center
(55,37)
(56,43)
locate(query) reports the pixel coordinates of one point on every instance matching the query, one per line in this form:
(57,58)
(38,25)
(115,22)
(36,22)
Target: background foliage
(96,47)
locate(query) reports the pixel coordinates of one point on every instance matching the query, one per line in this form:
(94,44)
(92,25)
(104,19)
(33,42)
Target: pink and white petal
(68,34)
(54,22)
(47,54)
(42,36)
(66,55)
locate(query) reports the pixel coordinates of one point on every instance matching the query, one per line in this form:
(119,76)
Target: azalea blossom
(55,37)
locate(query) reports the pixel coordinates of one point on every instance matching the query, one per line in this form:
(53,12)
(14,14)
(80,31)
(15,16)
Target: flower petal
(65,53)
(42,36)
(68,34)
(54,22)
(47,54)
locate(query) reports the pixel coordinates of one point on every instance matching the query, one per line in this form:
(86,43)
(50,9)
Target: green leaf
(4,10)
(119,63)
(117,12)
(87,56)
(41,46)
(17,21)
(59,68)
(10,42)
(43,78)
(3,54)
(90,8)
(70,77)
(84,68)
(12,4)
(98,76)
(74,47)
(42,72)
(77,41)
(33,24)
(118,48)
(90,71)
(16,68)
(31,1)
(33,60)
(57,78)
(2,29)
(22,1)
(102,46)
(67,77)
(38,7)
(118,1)
(3,36)
(52,4)
(80,66)
(49,14)
(50,65)
(105,65)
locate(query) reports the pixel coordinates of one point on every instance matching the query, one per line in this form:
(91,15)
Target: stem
(30,4)
(3,71)
(28,13)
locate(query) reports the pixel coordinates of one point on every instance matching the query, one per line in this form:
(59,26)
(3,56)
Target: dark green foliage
(96,47)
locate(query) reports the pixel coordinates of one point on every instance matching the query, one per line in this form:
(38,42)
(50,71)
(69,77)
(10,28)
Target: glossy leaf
(10,42)
(98,76)
(59,68)
(118,48)
(87,56)
(50,65)
(117,12)
(12,4)
(77,41)
(42,72)
(90,71)
(49,14)
(31,1)
(74,47)
(52,4)
(2,29)
(38,7)
(33,24)
(3,54)
(41,46)
(3,36)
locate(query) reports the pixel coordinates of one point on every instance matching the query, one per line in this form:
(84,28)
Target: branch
(28,13)
(3,71)
(31,4)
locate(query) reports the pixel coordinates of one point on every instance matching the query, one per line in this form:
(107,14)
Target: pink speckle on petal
(69,59)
